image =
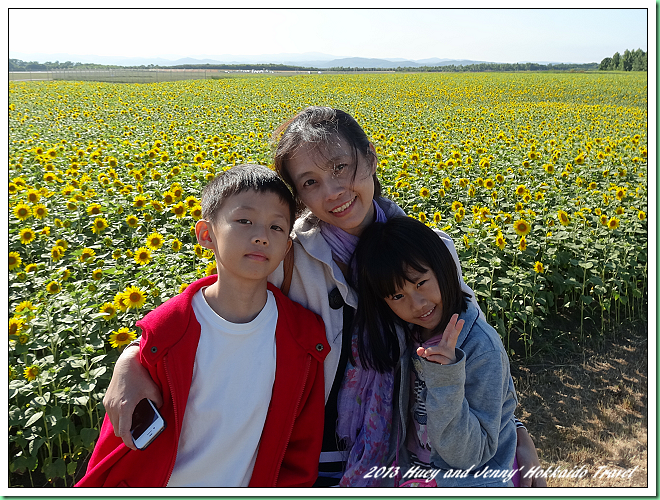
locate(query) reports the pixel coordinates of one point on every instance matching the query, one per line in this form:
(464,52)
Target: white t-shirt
(229,396)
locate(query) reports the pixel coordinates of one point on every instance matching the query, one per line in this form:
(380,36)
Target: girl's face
(325,183)
(418,302)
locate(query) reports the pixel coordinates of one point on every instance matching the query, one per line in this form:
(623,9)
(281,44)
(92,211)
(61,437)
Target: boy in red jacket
(240,365)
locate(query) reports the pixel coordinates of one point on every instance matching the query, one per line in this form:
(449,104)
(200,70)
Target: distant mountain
(307,59)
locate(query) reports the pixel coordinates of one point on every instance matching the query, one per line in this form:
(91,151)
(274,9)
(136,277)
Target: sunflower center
(135,297)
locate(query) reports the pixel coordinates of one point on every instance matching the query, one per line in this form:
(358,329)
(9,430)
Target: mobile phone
(147,424)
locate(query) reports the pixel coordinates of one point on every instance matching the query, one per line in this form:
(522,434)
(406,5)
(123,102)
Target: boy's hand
(445,352)
(527,459)
(130,384)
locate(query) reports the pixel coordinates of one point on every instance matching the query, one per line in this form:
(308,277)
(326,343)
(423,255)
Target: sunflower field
(541,180)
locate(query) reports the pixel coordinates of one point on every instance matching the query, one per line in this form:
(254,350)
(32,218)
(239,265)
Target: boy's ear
(204,234)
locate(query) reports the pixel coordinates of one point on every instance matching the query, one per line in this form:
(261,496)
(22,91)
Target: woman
(330,165)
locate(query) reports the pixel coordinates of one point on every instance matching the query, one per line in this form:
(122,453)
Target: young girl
(330,165)
(455,402)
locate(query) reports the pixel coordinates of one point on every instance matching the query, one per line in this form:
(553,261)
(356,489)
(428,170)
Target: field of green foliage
(540,179)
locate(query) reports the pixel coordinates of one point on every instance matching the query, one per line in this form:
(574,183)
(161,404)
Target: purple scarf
(364,404)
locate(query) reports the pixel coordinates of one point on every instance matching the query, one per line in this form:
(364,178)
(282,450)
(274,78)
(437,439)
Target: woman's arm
(130,384)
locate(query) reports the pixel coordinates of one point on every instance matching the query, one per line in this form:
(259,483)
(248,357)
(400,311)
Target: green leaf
(596,280)
(41,400)
(34,418)
(97,372)
(586,299)
(88,436)
(34,445)
(23,463)
(54,470)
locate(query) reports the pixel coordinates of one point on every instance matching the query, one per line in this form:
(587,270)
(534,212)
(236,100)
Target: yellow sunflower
(27,236)
(31,372)
(132,221)
(33,195)
(56,253)
(94,209)
(135,298)
(22,211)
(120,301)
(538,267)
(14,260)
(142,256)
(500,241)
(196,212)
(424,192)
(139,201)
(97,274)
(613,223)
(522,227)
(40,211)
(109,310)
(422,217)
(100,225)
(211,268)
(176,245)
(179,210)
(564,219)
(437,217)
(489,183)
(122,337)
(87,255)
(16,325)
(53,287)
(155,241)
(168,198)
(523,244)
(641,215)
(521,190)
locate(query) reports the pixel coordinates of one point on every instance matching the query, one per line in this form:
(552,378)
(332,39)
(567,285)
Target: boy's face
(250,234)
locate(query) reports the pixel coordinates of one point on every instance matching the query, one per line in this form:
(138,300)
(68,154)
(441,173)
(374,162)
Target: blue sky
(502,35)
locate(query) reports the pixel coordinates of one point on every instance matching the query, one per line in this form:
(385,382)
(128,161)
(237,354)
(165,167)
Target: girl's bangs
(387,275)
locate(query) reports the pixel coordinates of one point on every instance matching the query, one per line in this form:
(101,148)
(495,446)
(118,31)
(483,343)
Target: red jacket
(291,438)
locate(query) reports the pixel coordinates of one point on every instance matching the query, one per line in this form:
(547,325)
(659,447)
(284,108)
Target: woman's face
(324,180)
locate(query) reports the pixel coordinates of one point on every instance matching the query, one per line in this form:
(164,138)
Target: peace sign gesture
(445,352)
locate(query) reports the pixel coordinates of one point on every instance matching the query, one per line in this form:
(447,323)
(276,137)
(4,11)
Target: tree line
(630,61)
(635,60)
(18,65)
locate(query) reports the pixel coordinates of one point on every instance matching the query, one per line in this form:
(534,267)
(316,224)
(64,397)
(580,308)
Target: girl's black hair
(318,127)
(384,255)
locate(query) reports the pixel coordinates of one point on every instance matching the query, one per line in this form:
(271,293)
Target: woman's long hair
(385,255)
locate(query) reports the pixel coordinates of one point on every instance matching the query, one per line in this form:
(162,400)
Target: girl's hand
(445,352)
(130,384)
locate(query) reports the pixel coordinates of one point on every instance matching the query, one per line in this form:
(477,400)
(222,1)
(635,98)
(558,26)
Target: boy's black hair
(318,126)
(384,254)
(243,178)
